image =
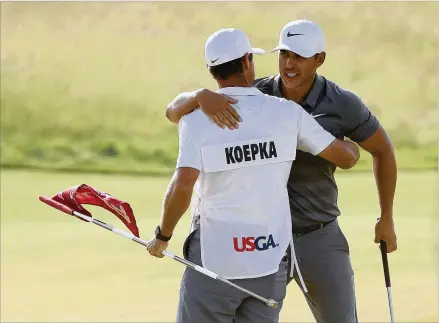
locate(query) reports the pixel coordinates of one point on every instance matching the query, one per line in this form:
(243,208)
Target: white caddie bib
(239,244)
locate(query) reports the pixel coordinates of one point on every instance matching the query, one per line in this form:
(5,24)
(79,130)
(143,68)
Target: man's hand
(156,247)
(385,230)
(218,108)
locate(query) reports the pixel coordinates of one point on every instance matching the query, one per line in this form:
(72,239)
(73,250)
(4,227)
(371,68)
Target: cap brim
(298,51)
(258,51)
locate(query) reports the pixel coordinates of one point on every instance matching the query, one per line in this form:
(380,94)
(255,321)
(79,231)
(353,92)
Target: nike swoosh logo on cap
(318,115)
(214,60)
(289,35)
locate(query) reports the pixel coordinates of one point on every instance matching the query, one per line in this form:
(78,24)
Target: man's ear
(246,62)
(321,58)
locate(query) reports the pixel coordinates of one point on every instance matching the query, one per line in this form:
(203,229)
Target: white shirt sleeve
(189,154)
(311,137)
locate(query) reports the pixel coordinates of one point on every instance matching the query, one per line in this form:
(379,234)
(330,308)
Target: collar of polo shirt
(236,91)
(311,98)
(314,93)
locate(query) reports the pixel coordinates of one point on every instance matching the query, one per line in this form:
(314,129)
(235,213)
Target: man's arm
(183,104)
(363,127)
(177,198)
(176,202)
(385,172)
(178,195)
(315,140)
(343,154)
(216,106)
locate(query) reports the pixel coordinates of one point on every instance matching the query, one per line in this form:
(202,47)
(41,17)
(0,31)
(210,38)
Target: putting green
(56,268)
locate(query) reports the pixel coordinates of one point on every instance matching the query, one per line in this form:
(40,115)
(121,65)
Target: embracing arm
(343,154)
(181,105)
(216,106)
(312,138)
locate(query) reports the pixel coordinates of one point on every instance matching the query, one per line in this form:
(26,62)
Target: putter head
(272,303)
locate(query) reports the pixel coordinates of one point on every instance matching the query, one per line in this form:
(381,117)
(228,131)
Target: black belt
(310,228)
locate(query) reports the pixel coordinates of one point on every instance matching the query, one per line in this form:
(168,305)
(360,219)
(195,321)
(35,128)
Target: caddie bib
(246,238)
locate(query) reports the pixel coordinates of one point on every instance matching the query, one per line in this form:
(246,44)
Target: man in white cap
(322,249)
(241,226)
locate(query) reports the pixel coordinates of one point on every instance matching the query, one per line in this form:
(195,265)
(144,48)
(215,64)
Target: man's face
(296,70)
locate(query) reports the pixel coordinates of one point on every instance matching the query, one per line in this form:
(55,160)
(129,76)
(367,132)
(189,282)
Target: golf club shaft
(144,243)
(389,296)
(383,248)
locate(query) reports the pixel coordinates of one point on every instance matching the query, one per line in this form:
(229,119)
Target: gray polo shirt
(311,186)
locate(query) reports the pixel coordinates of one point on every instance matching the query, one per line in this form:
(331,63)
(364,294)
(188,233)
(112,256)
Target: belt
(310,228)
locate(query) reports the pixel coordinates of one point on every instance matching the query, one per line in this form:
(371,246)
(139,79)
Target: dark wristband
(159,236)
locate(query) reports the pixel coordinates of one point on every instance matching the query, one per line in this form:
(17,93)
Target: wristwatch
(160,236)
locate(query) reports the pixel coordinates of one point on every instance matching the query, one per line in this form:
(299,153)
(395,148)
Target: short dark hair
(224,71)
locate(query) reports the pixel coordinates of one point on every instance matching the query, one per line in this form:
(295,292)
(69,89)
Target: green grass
(84,85)
(55,268)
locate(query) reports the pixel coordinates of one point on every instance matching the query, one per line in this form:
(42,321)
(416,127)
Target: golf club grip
(383,248)
(56,205)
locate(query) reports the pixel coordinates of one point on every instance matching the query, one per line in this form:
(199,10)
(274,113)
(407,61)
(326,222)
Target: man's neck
(233,81)
(298,94)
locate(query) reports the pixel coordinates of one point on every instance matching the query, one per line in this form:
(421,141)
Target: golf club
(269,302)
(383,248)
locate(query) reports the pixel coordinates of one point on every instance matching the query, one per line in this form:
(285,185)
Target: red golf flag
(74,196)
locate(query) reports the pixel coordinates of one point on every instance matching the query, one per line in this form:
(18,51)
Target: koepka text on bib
(251,152)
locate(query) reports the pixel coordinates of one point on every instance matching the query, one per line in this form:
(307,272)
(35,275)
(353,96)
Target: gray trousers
(323,257)
(203,299)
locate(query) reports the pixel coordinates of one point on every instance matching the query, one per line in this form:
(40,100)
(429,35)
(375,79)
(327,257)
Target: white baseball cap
(227,44)
(303,37)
